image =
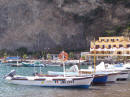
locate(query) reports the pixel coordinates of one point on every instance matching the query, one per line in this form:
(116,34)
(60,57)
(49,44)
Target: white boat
(127,65)
(123,73)
(111,76)
(16,64)
(50,80)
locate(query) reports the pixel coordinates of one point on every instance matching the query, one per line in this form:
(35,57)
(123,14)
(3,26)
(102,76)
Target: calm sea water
(118,89)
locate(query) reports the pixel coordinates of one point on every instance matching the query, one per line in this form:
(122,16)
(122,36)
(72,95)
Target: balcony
(111,49)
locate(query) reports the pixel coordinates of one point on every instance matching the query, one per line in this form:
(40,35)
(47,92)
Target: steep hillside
(60,24)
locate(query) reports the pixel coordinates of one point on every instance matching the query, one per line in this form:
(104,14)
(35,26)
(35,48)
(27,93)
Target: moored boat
(50,80)
(122,70)
(16,64)
(32,64)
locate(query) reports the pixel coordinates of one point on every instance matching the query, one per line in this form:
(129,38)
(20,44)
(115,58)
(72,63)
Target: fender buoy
(63,56)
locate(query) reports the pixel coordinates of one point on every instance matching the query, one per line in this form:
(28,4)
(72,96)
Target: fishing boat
(50,80)
(66,81)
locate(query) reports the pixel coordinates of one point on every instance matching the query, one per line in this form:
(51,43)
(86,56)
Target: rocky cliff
(59,24)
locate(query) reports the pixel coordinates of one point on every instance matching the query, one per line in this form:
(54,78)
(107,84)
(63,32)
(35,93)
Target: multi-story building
(111,45)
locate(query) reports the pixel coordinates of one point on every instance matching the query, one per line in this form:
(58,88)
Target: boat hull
(100,79)
(82,82)
(112,77)
(31,65)
(123,76)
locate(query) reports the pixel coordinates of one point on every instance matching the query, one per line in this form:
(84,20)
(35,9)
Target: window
(112,40)
(107,40)
(120,45)
(97,46)
(109,46)
(102,39)
(119,52)
(102,52)
(128,45)
(114,45)
(97,52)
(103,46)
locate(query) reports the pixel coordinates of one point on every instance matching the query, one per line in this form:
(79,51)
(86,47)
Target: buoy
(63,56)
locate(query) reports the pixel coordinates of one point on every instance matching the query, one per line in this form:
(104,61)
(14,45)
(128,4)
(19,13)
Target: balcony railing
(111,49)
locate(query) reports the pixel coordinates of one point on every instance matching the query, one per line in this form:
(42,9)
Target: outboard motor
(11,74)
(35,73)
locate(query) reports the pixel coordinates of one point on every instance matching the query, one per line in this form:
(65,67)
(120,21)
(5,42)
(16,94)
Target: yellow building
(111,45)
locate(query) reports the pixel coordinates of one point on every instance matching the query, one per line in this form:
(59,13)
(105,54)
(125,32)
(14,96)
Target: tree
(25,56)
(21,51)
(5,55)
(71,55)
(83,57)
(127,32)
(44,54)
(48,56)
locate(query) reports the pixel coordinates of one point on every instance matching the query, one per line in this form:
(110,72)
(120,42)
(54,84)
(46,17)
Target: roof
(12,58)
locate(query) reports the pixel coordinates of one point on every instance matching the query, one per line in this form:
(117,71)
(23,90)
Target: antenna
(63,62)
(94,57)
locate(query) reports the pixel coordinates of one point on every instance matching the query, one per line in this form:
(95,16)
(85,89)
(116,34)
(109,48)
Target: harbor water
(118,89)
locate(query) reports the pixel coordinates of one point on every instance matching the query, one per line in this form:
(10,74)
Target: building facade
(111,45)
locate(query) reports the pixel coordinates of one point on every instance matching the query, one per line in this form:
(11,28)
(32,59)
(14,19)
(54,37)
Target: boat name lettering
(63,81)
